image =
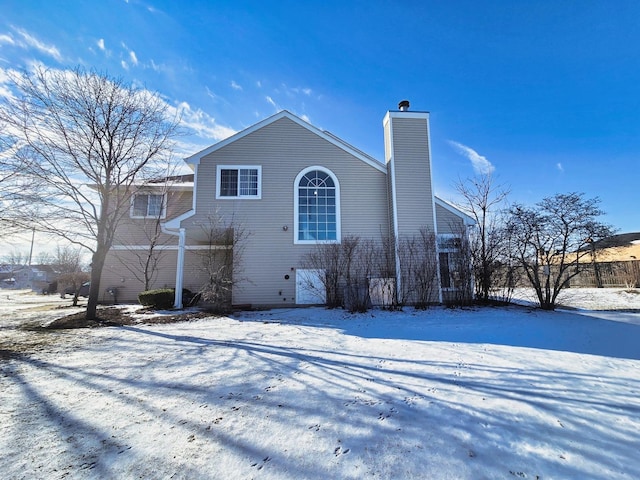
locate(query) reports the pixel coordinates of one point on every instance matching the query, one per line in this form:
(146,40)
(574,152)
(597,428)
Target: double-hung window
(239,182)
(147,205)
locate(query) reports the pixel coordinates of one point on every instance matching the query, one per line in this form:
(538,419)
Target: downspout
(180,269)
(181,234)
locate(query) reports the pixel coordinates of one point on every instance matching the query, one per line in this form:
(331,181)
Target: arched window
(317,206)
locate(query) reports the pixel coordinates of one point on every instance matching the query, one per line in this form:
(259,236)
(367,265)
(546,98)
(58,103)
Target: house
(612,262)
(289,187)
(39,278)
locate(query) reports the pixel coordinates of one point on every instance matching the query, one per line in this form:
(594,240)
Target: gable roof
(620,240)
(468,220)
(195,158)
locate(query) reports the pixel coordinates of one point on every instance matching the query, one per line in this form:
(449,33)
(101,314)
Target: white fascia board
(195,158)
(398,114)
(181,187)
(468,220)
(174,223)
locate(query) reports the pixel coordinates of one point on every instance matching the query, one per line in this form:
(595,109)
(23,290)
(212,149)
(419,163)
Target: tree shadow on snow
(608,334)
(391,412)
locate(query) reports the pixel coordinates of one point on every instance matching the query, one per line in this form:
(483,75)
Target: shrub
(159,299)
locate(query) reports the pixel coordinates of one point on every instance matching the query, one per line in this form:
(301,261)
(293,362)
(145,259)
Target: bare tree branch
(85,142)
(550,240)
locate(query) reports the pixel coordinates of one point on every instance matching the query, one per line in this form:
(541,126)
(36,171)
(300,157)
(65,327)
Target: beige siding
(122,270)
(448,222)
(179,202)
(412,169)
(283,149)
(123,265)
(144,231)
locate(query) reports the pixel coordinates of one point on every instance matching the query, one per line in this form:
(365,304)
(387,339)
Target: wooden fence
(609,274)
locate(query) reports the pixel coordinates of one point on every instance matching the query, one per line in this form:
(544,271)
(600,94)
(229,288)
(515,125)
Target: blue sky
(545,93)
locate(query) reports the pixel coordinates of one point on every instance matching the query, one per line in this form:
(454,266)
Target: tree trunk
(94,291)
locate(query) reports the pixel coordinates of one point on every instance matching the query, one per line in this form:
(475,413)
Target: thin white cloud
(210,94)
(26,40)
(7,39)
(235,86)
(100,44)
(559,167)
(5,92)
(124,65)
(29,40)
(133,57)
(294,91)
(259,84)
(270,101)
(200,123)
(157,67)
(480,163)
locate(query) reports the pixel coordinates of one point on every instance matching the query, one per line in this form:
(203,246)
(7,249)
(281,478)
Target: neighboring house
(290,186)
(6,276)
(36,277)
(613,262)
(624,247)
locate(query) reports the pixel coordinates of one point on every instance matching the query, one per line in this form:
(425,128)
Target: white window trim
(219,169)
(296,217)
(448,251)
(163,213)
(447,236)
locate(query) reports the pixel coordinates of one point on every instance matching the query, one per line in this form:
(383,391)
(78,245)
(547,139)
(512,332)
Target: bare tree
(344,271)
(71,283)
(9,183)
(67,259)
(483,199)
(66,262)
(419,272)
(360,268)
(383,284)
(144,264)
(456,265)
(328,260)
(222,261)
(16,258)
(551,238)
(15,207)
(74,128)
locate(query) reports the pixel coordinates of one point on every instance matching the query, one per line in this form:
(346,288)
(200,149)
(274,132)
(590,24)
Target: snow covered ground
(317,394)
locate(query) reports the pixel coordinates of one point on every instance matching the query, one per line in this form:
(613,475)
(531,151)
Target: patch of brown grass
(113,316)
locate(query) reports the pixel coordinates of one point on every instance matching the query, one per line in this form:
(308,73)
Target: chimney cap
(403,105)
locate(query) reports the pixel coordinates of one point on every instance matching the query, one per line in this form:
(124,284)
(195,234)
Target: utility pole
(33,237)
